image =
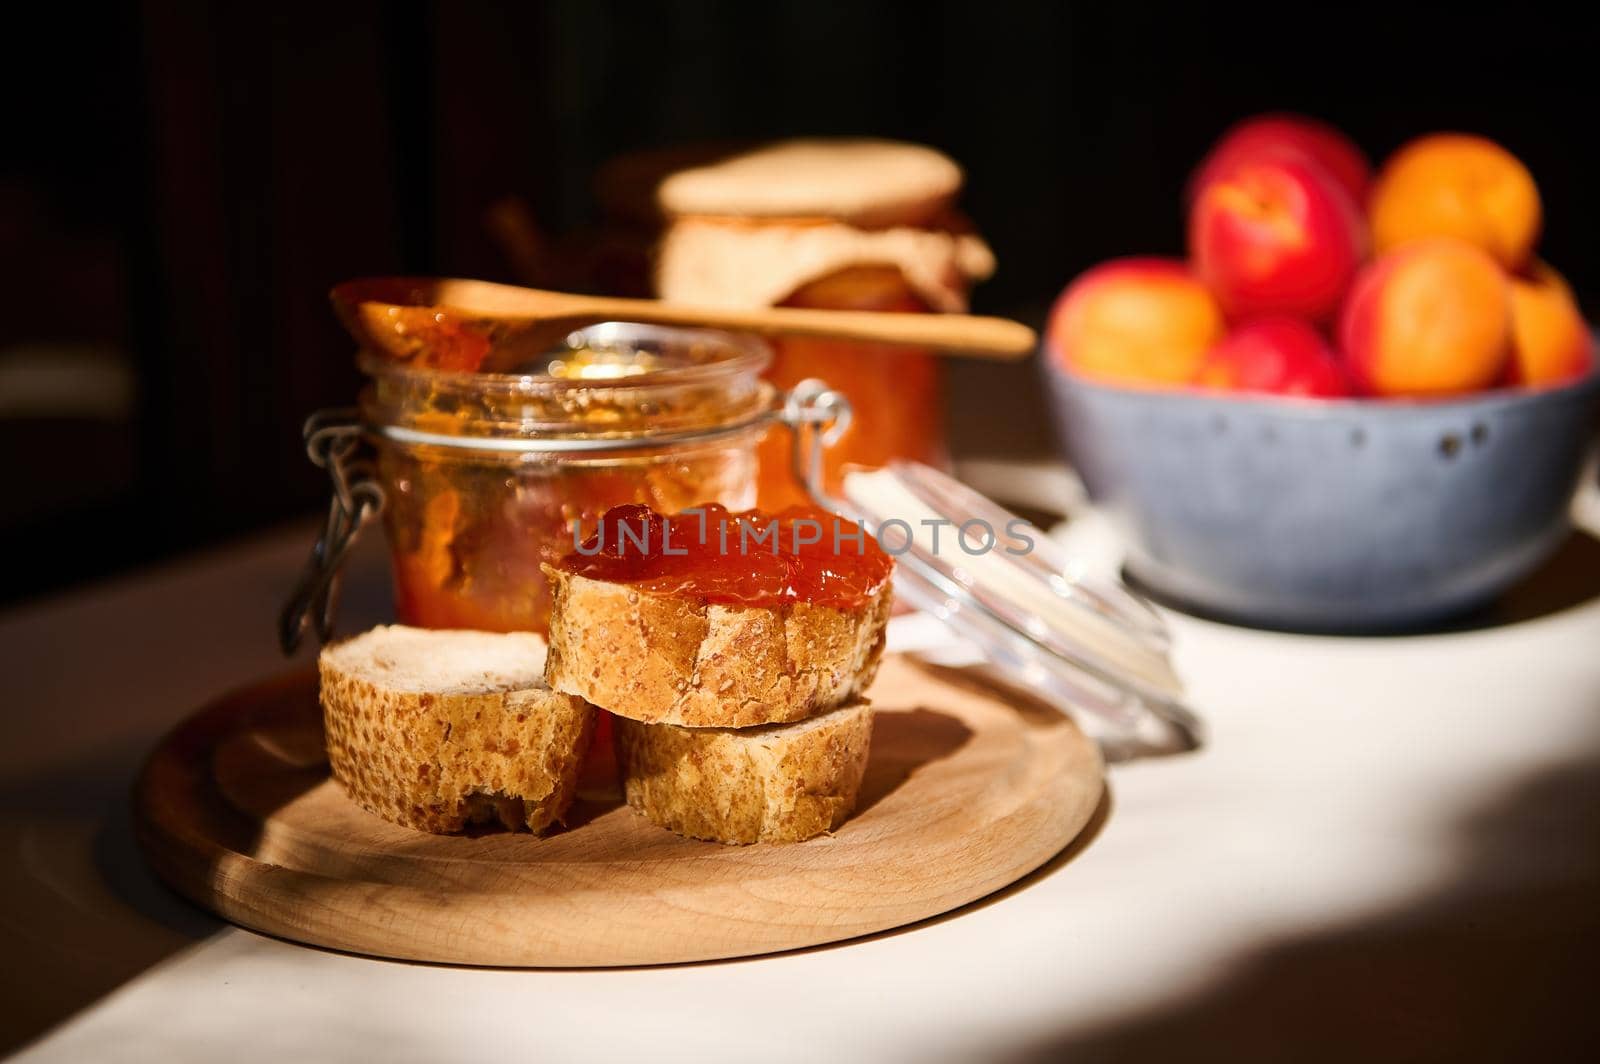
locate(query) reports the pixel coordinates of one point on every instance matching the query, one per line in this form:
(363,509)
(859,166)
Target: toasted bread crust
(671,659)
(440,762)
(786,783)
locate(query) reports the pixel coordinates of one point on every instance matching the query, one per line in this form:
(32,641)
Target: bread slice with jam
(719,620)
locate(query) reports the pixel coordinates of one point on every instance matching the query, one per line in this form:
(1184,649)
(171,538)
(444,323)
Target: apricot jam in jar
(485,475)
(902,386)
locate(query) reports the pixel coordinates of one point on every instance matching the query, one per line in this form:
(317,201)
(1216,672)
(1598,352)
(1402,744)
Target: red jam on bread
(799,554)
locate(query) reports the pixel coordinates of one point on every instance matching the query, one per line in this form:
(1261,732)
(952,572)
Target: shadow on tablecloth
(1496,964)
(80,910)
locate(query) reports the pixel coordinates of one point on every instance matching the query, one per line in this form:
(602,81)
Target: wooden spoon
(458,324)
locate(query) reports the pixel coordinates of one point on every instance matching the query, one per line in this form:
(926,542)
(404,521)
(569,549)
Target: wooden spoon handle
(398,314)
(960,334)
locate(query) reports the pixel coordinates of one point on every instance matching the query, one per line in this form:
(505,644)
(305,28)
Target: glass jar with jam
(485,476)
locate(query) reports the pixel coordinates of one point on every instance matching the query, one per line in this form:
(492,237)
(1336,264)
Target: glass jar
(897,392)
(485,475)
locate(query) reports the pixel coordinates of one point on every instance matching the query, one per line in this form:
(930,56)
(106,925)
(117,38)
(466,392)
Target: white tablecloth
(1387,846)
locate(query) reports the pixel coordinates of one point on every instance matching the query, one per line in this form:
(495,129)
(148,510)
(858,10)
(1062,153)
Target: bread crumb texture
(672,659)
(439,730)
(782,783)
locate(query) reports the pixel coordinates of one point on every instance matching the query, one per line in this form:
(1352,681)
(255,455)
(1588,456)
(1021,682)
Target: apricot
(1430,318)
(1145,322)
(1277,134)
(1276,235)
(1454,184)
(1550,341)
(1282,356)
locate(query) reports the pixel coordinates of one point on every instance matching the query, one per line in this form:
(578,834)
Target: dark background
(181,184)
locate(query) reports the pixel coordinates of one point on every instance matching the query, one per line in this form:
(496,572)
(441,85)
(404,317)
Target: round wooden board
(965,793)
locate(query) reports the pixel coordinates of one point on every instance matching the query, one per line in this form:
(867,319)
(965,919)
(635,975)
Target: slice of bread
(675,659)
(439,730)
(780,783)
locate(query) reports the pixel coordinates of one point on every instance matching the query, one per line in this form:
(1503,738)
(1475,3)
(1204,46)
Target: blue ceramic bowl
(1342,515)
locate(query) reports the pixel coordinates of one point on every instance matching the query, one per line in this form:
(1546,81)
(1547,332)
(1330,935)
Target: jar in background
(898,390)
(843,224)
(484,474)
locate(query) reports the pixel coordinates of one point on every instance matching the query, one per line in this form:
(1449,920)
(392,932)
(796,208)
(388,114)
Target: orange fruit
(1144,322)
(1457,185)
(1550,341)
(1430,318)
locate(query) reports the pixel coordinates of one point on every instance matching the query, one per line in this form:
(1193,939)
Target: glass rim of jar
(710,386)
(747,354)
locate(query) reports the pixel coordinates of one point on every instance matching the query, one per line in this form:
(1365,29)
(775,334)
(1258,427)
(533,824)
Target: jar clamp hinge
(816,416)
(333,441)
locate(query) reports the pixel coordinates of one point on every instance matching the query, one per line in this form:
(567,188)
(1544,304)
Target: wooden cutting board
(966,791)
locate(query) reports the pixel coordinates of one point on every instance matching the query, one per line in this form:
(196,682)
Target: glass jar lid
(1003,584)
